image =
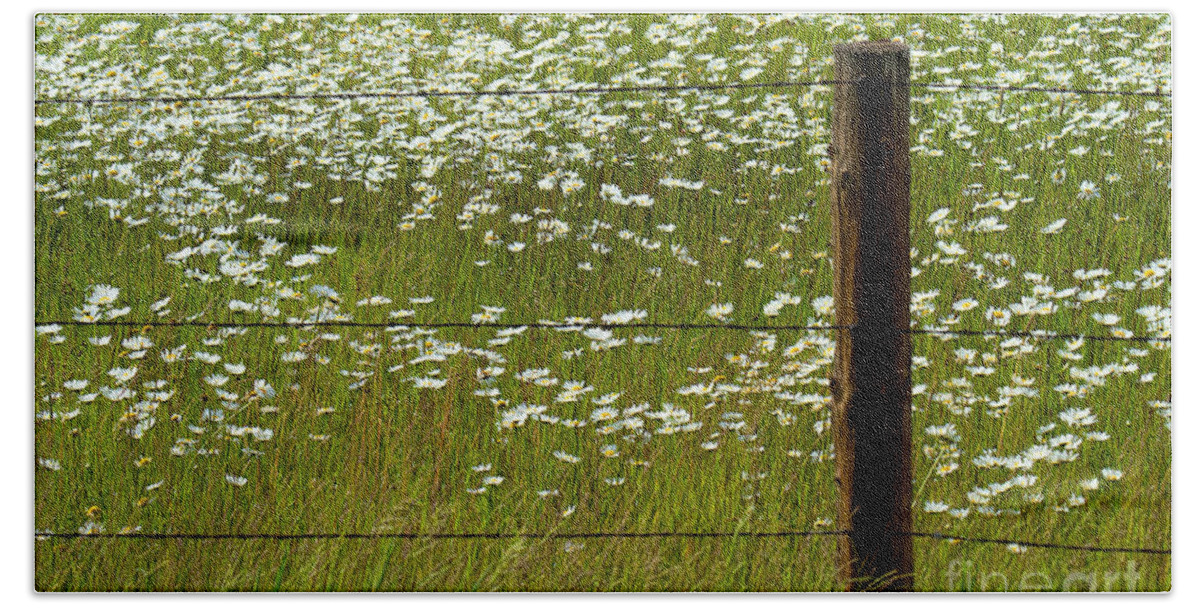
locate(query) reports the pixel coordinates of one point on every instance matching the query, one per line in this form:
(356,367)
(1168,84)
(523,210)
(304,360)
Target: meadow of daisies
(234,301)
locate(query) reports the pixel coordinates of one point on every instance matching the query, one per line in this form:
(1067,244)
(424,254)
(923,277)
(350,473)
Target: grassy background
(391,457)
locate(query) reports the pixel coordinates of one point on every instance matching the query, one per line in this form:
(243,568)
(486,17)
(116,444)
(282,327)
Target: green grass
(357,448)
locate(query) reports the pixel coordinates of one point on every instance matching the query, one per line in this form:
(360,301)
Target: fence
(871,383)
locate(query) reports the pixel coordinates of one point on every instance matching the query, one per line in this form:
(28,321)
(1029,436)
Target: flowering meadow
(286,312)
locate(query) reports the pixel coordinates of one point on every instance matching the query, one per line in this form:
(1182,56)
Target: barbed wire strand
(1021,543)
(404,94)
(441,536)
(538,325)
(995,87)
(581,90)
(1043,334)
(574,536)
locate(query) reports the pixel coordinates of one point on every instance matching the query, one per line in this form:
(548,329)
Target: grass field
(525,218)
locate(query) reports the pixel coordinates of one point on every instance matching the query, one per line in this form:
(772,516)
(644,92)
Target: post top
(874,47)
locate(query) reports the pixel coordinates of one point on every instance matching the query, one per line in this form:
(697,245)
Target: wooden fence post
(871,383)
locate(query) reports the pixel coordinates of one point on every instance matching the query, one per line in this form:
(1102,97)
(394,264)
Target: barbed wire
(563,325)
(1040,545)
(1042,334)
(576,91)
(446,324)
(439,535)
(404,94)
(574,536)
(1036,89)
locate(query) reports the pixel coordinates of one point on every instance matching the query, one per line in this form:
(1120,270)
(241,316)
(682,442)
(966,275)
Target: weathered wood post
(871,381)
